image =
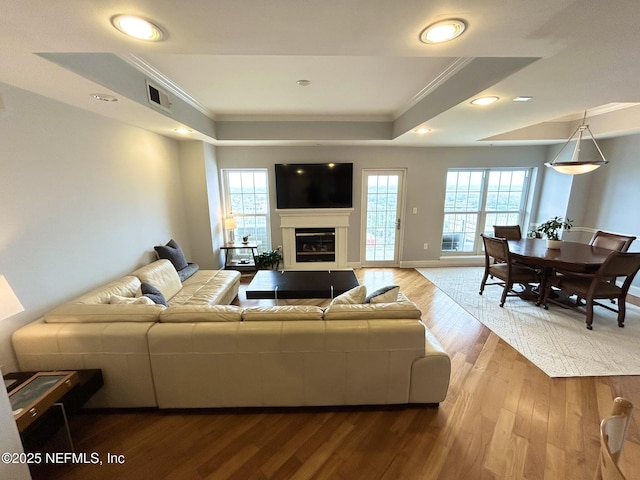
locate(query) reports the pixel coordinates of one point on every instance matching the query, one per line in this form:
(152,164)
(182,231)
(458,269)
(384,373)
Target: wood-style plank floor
(503,419)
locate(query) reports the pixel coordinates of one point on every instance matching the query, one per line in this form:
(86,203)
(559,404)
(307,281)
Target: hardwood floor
(503,419)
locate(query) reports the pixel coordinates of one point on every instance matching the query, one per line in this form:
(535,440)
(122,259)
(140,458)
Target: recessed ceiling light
(104,97)
(485,100)
(522,98)
(182,130)
(304,83)
(137,27)
(422,130)
(443,31)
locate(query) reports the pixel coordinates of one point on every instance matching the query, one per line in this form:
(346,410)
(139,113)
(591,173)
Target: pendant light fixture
(576,165)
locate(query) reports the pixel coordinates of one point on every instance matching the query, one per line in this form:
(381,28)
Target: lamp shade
(9,303)
(230,223)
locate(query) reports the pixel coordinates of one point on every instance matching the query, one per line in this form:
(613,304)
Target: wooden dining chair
(497,250)
(611,241)
(613,430)
(510,232)
(598,285)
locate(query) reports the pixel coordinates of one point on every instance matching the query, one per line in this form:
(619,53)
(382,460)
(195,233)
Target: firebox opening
(315,244)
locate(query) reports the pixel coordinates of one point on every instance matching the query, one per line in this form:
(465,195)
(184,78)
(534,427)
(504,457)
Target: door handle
(398,224)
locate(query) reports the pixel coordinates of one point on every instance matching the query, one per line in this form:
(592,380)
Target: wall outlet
(426,246)
(415,210)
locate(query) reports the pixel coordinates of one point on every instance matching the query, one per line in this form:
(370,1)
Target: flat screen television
(314,185)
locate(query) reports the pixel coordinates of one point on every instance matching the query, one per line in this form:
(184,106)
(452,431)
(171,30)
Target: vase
(554,244)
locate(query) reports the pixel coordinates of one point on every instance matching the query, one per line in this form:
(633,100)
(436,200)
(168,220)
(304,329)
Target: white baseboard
(457,261)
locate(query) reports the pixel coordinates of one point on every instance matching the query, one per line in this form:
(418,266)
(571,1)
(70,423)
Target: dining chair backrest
(612,241)
(620,264)
(613,430)
(510,232)
(496,248)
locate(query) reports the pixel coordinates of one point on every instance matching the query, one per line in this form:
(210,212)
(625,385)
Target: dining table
(570,257)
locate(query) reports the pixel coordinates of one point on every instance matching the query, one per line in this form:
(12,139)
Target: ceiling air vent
(158,98)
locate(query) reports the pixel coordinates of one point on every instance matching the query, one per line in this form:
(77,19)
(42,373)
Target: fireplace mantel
(337,218)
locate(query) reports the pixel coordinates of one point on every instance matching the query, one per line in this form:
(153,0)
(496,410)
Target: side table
(230,260)
(49,422)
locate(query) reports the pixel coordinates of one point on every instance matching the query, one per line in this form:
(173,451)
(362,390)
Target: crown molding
(165,82)
(458,64)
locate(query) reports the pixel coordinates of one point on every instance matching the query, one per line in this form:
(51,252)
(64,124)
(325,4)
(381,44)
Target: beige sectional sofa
(200,352)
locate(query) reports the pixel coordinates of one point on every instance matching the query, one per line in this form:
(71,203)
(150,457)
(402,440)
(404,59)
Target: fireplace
(315,244)
(314,239)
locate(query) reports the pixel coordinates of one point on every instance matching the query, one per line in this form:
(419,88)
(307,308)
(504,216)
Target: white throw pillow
(350,297)
(119,300)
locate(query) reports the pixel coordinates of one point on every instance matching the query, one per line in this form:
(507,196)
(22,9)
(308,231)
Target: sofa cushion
(172,252)
(162,275)
(101,313)
(125,287)
(201,313)
(151,292)
(282,313)
(118,300)
(188,271)
(208,287)
(373,311)
(353,296)
(387,294)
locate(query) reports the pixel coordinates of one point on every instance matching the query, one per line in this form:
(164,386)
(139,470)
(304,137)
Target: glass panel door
(382,198)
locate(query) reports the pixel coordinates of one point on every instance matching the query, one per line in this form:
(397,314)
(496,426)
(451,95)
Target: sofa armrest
(430,375)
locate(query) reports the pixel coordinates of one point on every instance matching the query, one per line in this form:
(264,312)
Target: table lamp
(9,303)
(230,225)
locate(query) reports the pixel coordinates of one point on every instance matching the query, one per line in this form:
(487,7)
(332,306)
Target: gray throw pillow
(172,252)
(387,294)
(187,271)
(153,293)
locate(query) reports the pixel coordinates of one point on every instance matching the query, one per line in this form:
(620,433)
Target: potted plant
(269,260)
(551,230)
(245,238)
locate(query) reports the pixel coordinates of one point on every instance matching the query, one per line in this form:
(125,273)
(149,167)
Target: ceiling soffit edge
(473,77)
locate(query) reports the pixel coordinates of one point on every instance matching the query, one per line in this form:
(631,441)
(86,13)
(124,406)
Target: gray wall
(426,174)
(83,200)
(613,201)
(202,202)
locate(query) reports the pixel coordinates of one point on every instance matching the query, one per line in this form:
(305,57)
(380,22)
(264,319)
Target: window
(246,195)
(476,200)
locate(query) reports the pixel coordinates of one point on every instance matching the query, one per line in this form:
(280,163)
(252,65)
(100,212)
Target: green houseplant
(269,260)
(551,230)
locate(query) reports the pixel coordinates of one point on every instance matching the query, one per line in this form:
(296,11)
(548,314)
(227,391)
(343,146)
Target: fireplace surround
(307,220)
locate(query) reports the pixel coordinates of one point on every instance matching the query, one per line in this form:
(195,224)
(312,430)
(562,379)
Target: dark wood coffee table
(288,284)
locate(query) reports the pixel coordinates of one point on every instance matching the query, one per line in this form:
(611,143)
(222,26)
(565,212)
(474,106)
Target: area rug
(556,340)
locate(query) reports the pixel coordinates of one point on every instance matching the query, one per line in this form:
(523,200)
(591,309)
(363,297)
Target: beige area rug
(556,340)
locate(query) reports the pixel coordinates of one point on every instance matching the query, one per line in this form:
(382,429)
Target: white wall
(10,441)
(83,200)
(426,167)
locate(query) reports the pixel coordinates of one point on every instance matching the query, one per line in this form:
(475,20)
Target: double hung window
(246,198)
(478,199)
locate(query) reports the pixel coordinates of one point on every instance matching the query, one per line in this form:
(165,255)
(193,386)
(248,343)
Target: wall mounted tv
(314,185)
